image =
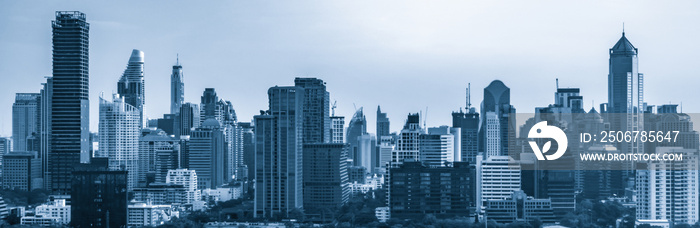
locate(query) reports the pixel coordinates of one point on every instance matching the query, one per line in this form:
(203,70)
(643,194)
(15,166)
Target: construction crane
(333,108)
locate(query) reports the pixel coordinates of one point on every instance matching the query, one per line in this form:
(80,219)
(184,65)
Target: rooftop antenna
(557,83)
(425,119)
(623,28)
(469,96)
(177,59)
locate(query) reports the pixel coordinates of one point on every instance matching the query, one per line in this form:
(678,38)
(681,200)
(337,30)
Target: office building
(186,178)
(367,152)
(131,85)
(497,118)
(668,190)
(497,178)
(21,170)
(278,153)
(248,148)
(55,208)
(44,129)
(326,185)
(177,88)
(385,148)
(207,148)
(70,117)
(519,207)
(119,136)
(211,106)
(383,123)
(337,131)
(147,215)
(157,153)
(24,119)
(356,128)
(437,147)
(187,118)
(315,109)
(416,190)
(408,141)
(98,198)
(162,194)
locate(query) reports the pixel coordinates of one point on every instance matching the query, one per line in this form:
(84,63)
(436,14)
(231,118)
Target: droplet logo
(543,131)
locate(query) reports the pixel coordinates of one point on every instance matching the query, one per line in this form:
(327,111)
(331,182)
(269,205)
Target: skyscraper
(70,116)
(177,88)
(207,151)
(497,102)
(278,153)
(326,184)
(44,129)
(99,197)
(24,119)
(408,141)
(337,131)
(356,128)
(119,137)
(317,121)
(188,118)
(211,106)
(131,85)
(382,123)
(151,144)
(437,147)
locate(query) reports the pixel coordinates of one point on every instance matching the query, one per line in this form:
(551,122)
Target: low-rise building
(382,213)
(38,220)
(55,209)
(142,214)
(520,208)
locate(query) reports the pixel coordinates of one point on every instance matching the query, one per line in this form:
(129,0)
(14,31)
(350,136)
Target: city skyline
(477,59)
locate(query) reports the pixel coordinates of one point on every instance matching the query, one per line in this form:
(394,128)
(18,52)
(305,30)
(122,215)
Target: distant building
(383,124)
(385,148)
(22,171)
(520,207)
(325,176)
(382,213)
(188,119)
(3,209)
(131,85)
(145,215)
(98,197)
(119,136)
(24,119)
(56,208)
(315,110)
(222,194)
(497,179)
(441,191)
(186,178)
(206,154)
(5,145)
(497,119)
(357,174)
(162,194)
(337,131)
(408,141)
(177,88)
(356,128)
(369,184)
(437,148)
(158,153)
(468,123)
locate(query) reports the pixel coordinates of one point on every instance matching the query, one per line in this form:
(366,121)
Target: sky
(407,56)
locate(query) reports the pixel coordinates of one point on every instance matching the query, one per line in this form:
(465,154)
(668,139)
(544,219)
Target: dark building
(326,185)
(177,88)
(248,148)
(278,153)
(187,118)
(316,117)
(469,126)
(21,170)
(131,85)
(70,118)
(497,100)
(382,124)
(211,106)
(357,174)
(417,190)
(356,128)
(207,149)
(99,197)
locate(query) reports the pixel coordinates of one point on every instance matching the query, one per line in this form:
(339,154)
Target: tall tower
(356,128)
(382,123)
(177,88)
(317,122)
(119,137)
(131,84)
(70,116)
(496,108)
(24,119)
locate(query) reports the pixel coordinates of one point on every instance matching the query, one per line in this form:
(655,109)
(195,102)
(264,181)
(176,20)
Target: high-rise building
(21,170)
(315,111)
(385,148)
(98,198)
(437,147)
(248,148)
(367,151)
(382,123)
(408,141)
(441,191)
(468,123)
(70,116)
(211,106)
(119,137)
(177,88)
(278,153)
(158,153)
(44,130)
(207,151)
(24,119)
(497,102)
(131,85)
(5,145)
(187,118)
(326,185)
(337,131)
(497,179)
(186,178)
(356,128)
(668,190)
(625,83)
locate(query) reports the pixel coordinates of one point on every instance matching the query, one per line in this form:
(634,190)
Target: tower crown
(623,47)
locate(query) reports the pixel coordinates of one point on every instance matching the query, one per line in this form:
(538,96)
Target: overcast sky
(406,56)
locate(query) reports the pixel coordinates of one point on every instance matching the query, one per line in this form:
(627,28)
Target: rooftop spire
(177,61)
(623,29)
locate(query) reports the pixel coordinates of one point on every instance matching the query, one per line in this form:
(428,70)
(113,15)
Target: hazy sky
(403,55)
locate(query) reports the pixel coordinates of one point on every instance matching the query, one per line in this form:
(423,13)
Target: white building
(141,214)
(493,134)
(497,178)
(38,220)
(386,146)
(221,194)
(668,190)
(119,136)
(371,183)
(187,178)
(408,142)
(382,213)
(56,209)
(437,147)
(337,129)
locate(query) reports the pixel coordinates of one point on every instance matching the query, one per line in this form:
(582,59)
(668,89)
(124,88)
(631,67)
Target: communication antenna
(177,59)
(557,83)
(469,96)
(353,105)
(425,119)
